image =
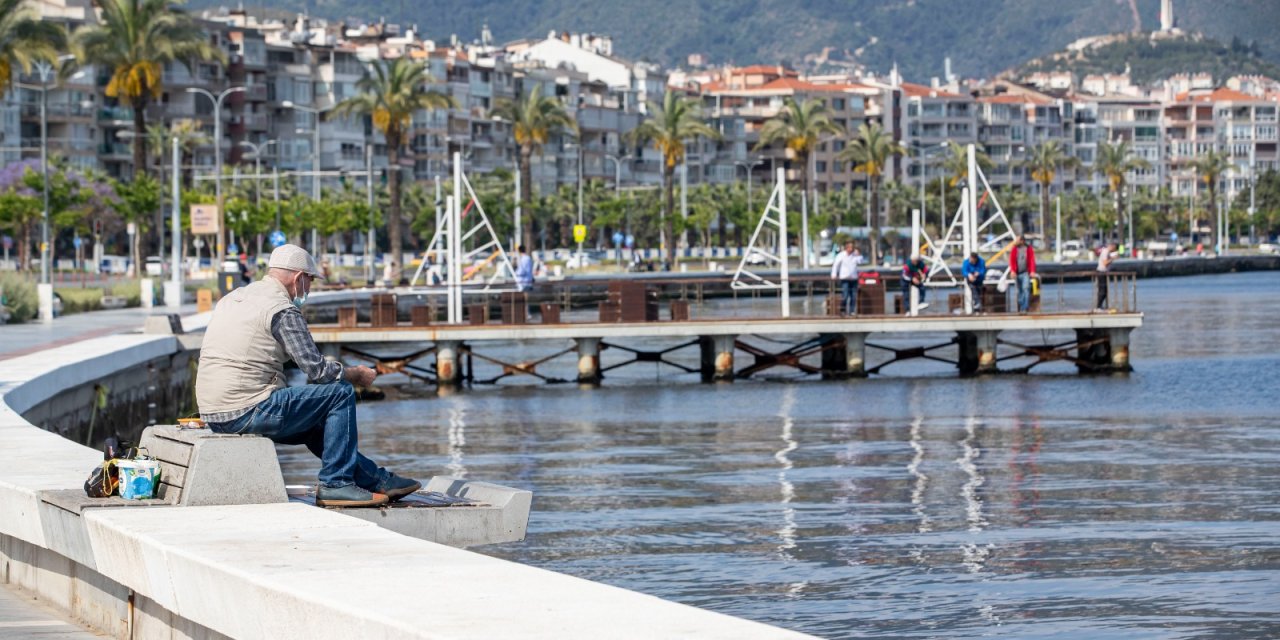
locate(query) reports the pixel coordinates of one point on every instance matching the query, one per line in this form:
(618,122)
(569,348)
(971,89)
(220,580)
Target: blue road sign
(276,238)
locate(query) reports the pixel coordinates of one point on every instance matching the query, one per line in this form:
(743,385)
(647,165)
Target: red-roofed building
(740,101)
(1225,120)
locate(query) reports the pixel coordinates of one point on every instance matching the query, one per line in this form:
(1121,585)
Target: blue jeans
(320,416)
(849,296)
(906,293)
(1024,291)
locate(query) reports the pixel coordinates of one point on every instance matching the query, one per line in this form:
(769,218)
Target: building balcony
(256,92)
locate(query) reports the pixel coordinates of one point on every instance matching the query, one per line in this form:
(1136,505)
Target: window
(821,166)
(837,104)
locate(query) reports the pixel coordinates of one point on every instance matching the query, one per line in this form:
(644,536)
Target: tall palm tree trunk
(139,141)
(806,207)
(668,179)
(875,221)
(1044,206)
(393,217)
(526,194)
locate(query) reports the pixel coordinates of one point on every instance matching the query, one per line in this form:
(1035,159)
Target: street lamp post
(217,152)
(46,286)
(617,172)
(315,159)
(748,166)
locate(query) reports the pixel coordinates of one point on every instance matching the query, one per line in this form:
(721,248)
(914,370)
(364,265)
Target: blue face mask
(298,301)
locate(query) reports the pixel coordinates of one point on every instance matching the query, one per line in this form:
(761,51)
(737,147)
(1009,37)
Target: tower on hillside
(1166,15)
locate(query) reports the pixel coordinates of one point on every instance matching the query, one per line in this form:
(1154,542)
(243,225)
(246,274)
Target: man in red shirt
(1022,262)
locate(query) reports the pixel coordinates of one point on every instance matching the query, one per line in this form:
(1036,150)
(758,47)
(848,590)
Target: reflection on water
(1022,506)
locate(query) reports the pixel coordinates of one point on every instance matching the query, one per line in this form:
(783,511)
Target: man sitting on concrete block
(241,388)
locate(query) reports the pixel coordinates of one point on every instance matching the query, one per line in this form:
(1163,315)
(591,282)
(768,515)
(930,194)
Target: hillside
(1150,60)
(982,37)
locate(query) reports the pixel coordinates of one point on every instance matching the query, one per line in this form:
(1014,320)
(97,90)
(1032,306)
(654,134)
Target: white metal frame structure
(775,216)
(965,233)
(449,246)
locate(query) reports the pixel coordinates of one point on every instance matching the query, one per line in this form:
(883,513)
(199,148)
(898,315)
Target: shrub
(19,297)
(76,300)
(131,291)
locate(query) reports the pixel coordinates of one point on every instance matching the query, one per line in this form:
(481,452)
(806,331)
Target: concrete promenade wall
(269,571)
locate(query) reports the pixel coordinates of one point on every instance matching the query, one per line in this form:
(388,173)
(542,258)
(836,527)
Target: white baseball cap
(294,258)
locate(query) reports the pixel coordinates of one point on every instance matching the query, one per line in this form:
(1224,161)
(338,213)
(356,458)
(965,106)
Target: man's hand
(360,376)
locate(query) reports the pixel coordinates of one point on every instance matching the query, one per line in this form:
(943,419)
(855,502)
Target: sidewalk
(23,339)
(22,616)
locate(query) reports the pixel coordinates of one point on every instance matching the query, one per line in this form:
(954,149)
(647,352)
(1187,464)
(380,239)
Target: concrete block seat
(203,468)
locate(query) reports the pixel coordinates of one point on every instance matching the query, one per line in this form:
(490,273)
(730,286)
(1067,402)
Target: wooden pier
(835,347)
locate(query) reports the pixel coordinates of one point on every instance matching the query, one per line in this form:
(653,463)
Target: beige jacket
(241,362)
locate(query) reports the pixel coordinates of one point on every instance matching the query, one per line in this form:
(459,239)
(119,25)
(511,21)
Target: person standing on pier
(524,269)
(974,271)
(240,384)
(1022,262)
(1106,255)
(845,270)
(913,274)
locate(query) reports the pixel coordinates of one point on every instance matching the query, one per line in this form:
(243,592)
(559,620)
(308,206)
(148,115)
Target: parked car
(155,266)
(1072,249)
(1267,247)
(578,261)
(114,265)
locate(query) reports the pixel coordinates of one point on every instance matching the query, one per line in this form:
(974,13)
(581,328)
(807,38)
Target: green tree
(390,94)
(1043,163)
(1210,168)
(800,127)
(24,39)
(1116,161)
(136,200)
(669,126)
(533,119)
(871,151)
(134,39)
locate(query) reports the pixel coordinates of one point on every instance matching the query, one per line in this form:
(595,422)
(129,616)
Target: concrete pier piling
(588,360)
(448,367)
(977,352)
(717,357)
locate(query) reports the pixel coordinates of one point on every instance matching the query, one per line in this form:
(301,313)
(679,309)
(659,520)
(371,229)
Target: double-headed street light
(44,68)
(748,166)
(217,151)
(315,152)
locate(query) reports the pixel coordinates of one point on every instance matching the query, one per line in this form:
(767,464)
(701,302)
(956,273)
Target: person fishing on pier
(974,271)
(845,270)
(240,384)
(914,271)
(1022,263)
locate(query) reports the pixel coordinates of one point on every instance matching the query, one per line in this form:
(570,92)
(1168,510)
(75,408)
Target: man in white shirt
(845,270)
(1106,255)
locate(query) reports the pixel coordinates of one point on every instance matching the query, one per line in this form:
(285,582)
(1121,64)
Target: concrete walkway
(30,337)
(22,617)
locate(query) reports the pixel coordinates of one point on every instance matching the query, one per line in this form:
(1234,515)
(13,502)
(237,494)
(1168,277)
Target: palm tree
(1115,161)
(24,39)
(870,152)
(1210,167)
(390,94)
(135,39)
(800,126)
(1043,163)
(668,127)
(533,119)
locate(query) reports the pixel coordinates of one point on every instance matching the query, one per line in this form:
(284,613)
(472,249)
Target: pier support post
(855,354)
(977,351)
(448,368)
(849,360)
(717,357)
(1119,339)
(588,360)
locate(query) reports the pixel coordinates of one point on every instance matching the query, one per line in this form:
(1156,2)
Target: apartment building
(740,102)
(1224,120)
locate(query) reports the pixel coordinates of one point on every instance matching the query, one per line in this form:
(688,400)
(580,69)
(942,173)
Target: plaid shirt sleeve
(290,330)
